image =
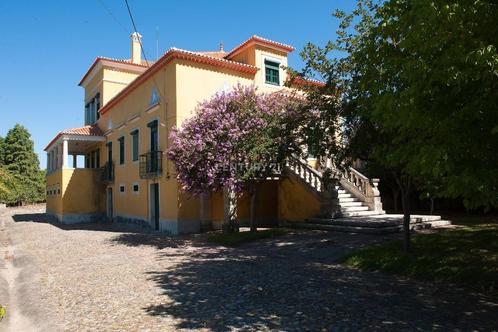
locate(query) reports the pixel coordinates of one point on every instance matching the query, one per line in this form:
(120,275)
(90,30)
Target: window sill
(152,108)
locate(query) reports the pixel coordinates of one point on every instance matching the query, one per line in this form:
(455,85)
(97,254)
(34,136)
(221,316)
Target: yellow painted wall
(54,198)
(134,112)
(74,191)
(198,82)
(114,81)
(267,205)
(82,191)
(182,85)
(93,87)
(295,202)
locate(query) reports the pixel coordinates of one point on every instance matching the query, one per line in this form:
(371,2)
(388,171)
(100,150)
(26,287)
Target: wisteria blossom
(234,138)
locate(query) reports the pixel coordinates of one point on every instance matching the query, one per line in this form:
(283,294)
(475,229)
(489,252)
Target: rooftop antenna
(221,46)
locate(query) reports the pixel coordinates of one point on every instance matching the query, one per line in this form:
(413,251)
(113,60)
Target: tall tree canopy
(22,166)
(234,140)
(418,81)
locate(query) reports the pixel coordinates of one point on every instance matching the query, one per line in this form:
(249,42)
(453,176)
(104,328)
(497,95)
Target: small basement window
(122,188)
(272,72)
(135,187)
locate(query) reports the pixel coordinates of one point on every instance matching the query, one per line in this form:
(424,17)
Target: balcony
(151,164)
(108,173)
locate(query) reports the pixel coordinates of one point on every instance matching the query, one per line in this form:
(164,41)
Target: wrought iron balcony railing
(108,172)
(151,164)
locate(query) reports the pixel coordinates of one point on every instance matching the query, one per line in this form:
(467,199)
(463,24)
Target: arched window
(154,97)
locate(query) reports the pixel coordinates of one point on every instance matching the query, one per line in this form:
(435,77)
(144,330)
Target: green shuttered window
(272,72)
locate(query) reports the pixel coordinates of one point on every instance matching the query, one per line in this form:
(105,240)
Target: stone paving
(98,278)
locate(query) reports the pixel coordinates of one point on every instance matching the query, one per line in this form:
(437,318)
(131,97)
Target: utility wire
(113,17)
(153,79)
(142,48)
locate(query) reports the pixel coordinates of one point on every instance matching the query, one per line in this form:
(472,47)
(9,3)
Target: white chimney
(136,51)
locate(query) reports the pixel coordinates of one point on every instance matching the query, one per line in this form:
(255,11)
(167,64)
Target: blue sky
(47,46)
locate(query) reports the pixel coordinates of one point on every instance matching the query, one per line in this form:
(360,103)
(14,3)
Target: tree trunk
(253,190)
(395,198)
(406,220)
(230,224)
(404,183)
(432,206)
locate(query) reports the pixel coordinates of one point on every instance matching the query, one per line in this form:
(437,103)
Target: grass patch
(234,239)
(467,256)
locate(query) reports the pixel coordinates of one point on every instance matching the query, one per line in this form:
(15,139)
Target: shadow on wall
(296,284)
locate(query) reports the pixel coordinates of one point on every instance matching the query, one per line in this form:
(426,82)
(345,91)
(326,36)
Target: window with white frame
(272,72)
(92,110)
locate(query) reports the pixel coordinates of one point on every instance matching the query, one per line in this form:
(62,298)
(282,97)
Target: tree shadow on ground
(90,226)
(293,283)
(158,241)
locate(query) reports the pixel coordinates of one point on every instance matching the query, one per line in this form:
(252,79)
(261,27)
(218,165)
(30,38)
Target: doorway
(109,204)
(154,205)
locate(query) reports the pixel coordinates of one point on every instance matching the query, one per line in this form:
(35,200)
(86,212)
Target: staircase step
(351,203)
(344,195)
(354,222)
(349,229)
(354,208)
(359,213)
(342,191)
(348,199)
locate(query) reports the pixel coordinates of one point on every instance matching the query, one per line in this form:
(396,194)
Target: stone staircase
(353,195)
(375,224)
(352,205)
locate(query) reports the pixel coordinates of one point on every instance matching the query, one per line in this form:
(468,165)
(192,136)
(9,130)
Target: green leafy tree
(235,140)
(1,151)
(21,161)
(418,82)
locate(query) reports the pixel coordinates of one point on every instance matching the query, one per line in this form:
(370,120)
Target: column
(56,156)
(64,153)
(51,158)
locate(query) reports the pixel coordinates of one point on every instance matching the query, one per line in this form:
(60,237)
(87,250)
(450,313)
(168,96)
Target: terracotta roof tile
(176,53)
(214,54)
(90,130)
(261,40)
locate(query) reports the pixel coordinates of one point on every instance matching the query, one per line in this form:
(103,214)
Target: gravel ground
(96,278)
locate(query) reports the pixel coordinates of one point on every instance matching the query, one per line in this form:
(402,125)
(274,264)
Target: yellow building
(130,108)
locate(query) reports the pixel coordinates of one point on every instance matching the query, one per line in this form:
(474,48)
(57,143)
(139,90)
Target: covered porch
(64,149)
(75,194)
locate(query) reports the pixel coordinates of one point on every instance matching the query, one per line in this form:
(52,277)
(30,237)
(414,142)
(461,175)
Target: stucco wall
(82,191)
(54,198)
(295,202)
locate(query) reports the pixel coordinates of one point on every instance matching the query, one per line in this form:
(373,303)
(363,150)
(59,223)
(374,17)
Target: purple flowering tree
(234,141)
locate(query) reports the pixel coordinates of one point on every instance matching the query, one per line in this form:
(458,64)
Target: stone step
(352,222)
(351,203)
(354,208)
(359,213)
(363,225)
(348,199)
(342,191)
(348,229)
(344,195)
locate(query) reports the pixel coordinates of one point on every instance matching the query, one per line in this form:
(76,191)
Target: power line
(153,79)
(112,15)
(135,29)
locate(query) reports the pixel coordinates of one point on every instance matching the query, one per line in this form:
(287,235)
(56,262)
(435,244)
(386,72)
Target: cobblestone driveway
(95,278)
